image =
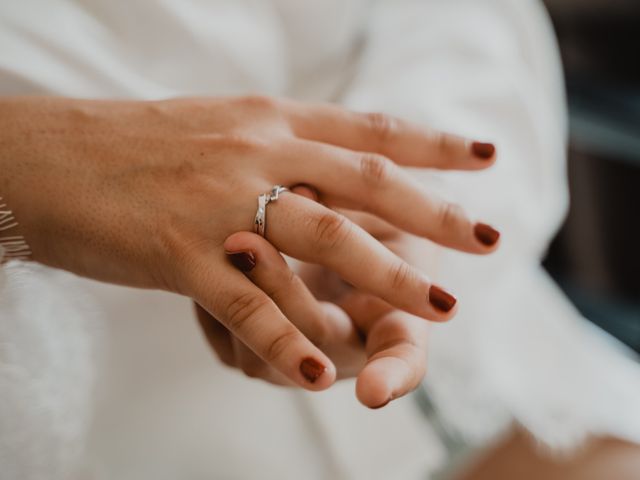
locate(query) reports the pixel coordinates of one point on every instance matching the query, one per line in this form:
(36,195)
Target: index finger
(251,316)
(404,142)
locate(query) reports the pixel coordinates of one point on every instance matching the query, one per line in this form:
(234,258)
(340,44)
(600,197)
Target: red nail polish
(484,151)
(312,369)
(486,234)
(440,299)
(244,261)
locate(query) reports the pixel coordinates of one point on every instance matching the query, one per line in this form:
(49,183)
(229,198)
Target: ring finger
(306,230)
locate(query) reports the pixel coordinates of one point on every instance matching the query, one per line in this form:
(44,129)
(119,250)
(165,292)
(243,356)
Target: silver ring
(260,222)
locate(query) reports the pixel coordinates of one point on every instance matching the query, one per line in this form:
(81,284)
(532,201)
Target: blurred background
(596,256)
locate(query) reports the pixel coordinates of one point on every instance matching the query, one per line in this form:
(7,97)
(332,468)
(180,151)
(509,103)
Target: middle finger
(373,183)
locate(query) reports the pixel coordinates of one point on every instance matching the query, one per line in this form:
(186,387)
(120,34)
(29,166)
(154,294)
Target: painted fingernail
(483,151)
(486,234)
(244,261)
(312,369)
(440,299)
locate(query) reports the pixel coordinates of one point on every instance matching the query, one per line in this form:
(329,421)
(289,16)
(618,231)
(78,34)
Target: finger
(251,316)
(234,353)
(397,354)
(254,367)
(266,268)
(326,325)
(364,309)
(378,228)
(396,349)
(406,143)
(306,191)
(217,336)
(269,271)
(373,183)
(313,233)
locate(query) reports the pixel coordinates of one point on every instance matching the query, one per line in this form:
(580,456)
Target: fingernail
(486,234)
(440,299)
(483,150)
(244,261)
(312,369)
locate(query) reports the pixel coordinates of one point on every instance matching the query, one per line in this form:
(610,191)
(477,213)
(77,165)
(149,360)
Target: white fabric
(47,358)
(492,72)
(165,408)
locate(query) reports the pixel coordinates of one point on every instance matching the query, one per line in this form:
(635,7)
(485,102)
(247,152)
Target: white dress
(120,384)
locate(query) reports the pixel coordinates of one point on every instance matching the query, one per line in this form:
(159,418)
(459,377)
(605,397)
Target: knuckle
(450,215)
(242,308)
(278,346)
(375,169)
(331,230)
(445,143)
(236,142)
(381,125)
(400,275)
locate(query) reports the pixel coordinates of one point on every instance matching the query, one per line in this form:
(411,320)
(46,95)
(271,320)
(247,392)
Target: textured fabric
(47,367)
(165,408)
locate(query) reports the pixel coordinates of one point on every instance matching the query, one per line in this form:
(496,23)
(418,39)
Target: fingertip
(316,374)
(373,386)
(239,241)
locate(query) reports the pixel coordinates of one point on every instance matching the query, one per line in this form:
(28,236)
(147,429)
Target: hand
(145,193)
(395,341)
(363,335)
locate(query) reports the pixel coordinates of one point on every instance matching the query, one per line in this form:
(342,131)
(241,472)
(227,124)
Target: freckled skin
(146,194)
(108,181)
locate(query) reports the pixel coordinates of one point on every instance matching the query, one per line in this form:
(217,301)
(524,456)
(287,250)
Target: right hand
(365,337)
(145,193)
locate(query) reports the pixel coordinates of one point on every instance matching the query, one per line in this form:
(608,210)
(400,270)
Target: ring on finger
(260,221)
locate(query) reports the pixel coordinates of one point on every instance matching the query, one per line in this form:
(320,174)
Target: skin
(146,194)
(365,337)
(518,456)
